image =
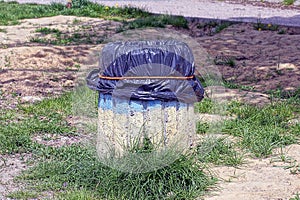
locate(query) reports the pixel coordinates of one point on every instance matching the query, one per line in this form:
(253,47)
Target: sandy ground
(35,70)
(10,167)
(264,179)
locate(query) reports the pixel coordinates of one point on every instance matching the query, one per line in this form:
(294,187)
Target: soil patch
(262,59)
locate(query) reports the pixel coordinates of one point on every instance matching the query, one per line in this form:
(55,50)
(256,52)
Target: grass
(219,151)
(265,27)
(12,12)
(202,127)
(80,194)
(45,117)
(297,197)
(262,129)
(288,2)
(160,21)
(222,26)
(141,19)
(76,169)
(205,106)
(70,39)
(74,172)
(259,129)
(214,25)
(45,30)
(225,60)
(232,85)
(291,95)
(22,195)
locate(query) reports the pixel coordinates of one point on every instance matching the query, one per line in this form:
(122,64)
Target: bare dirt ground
(264,60)
(263,179)
(35,70)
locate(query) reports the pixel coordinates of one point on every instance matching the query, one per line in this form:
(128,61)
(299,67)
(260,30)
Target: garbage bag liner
(147,70)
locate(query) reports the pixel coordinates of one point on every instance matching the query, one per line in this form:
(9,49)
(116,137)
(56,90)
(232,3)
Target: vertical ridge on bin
(155,125)
(120,110)
(136,122)
(170,110)
(191,124)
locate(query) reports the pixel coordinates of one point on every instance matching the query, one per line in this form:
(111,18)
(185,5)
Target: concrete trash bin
(146,94)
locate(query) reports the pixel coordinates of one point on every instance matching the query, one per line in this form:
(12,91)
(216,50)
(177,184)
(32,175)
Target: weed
(3,30)
(39,40)
(291,96)
(230,62)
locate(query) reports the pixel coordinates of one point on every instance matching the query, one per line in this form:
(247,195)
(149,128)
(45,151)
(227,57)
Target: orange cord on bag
(145,77)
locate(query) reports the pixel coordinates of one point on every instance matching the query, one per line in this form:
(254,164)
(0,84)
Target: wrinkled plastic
(144,59)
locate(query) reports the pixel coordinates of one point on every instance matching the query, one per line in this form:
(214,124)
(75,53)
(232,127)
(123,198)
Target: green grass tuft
(76,168)
(262,129)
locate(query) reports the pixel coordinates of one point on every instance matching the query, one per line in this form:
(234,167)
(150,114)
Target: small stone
(293,122)
(31,99)
(68,83)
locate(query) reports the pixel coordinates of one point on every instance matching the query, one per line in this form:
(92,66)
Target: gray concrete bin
(147,91)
